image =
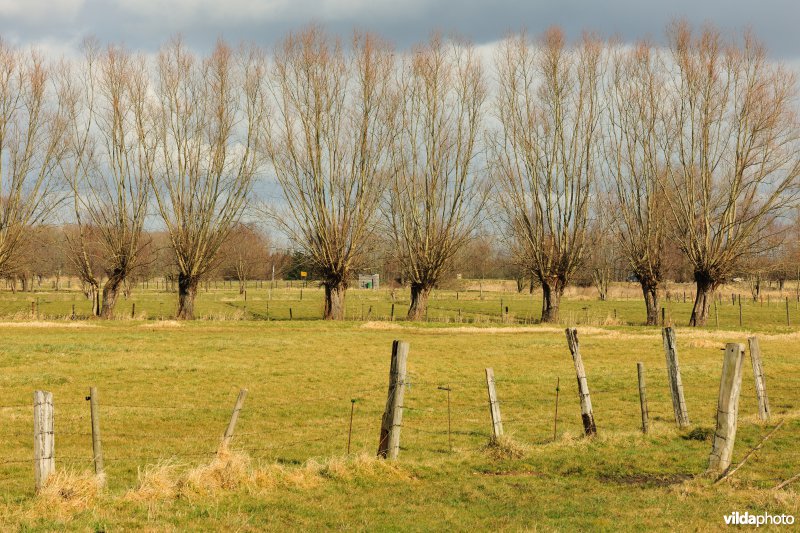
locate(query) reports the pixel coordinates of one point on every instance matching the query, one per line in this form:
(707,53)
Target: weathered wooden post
(392,421)
(674,375)
(758,373)
(740,310)
(449,425)
(727,408)
(226,439)
(642,396)
(44,462)
(494,405)
(787,311)
(97,448)
(587,415)
(350,428)
(133,310)
(555,416)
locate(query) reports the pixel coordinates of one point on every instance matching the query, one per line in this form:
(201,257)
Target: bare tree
(435,195)
(601,259)
(545,156)
(328,148)
(734,166)
(208,126)
(637,138)
(108,171)
(32,130)
(245,254)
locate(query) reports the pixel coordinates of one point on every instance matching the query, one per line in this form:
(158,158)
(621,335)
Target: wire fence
(439,414)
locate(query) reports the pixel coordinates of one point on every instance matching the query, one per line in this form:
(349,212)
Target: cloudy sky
(145,24)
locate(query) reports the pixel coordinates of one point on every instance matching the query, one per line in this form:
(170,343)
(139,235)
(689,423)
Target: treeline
(587,157)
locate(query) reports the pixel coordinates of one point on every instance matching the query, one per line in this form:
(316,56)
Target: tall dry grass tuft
(505,447)
(230,471)
(156,482)
(67,493)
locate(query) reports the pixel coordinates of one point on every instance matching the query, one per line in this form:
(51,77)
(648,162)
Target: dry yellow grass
(37,324)
(66,493)
(505,447)
(230,470)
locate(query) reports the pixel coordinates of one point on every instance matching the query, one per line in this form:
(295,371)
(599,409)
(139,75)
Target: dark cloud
(147,23)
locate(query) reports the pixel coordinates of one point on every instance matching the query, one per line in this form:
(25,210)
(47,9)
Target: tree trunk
(334,300)
(703,300)
(551,299)
(419,301)
(110,292)
(187,290)
(94,292)
(520,284)
(650,291)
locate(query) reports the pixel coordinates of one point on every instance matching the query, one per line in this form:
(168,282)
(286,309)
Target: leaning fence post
(727,408)
(97,448)
(674,375)
(583,387)
(758,373)
(494,405)
(226,439)
(44,462)
(642,396)
(392,421)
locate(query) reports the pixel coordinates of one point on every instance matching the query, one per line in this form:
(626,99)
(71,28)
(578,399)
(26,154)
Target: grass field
(166,391)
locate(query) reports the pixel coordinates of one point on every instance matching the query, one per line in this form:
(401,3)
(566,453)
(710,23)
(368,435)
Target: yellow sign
(303,274)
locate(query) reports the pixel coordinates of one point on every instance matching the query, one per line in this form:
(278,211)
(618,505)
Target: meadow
(166,390)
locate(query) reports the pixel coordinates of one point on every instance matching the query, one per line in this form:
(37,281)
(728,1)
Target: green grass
(166,391)
(222,301)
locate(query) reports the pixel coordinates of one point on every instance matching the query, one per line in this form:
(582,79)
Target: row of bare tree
(694,144)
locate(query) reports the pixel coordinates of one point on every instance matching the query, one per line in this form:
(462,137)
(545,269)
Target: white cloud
(220,12)
(36,10)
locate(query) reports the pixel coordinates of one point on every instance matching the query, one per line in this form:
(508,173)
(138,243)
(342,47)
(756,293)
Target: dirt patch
(42,324)
(166,324)
(512,473)
(645,480)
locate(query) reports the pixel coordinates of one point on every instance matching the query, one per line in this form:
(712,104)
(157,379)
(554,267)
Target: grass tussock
(157,482)
(66,493)
(231,471)
(228,470)
(505,447)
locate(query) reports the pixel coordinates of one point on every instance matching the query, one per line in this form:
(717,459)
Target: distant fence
(284,301)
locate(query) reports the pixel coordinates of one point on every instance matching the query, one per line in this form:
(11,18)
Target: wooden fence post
(494,405)
(97,448)
(674,375)
(758,373)
(727,408)
(642,396)
(44,462)
(787,312)
(392,421)
(587,415)
(226,439)
(740,310)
